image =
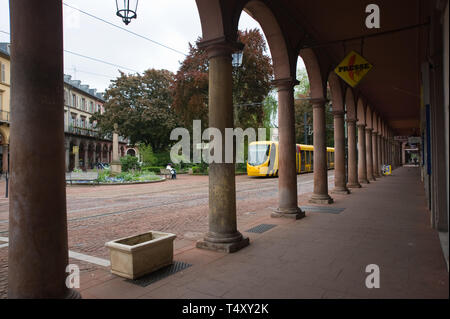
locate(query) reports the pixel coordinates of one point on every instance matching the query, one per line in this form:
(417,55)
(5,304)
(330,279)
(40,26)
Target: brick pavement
(103,213)
(321,256)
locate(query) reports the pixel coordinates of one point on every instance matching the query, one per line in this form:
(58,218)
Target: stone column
(375,154)
(67,148)
(287,171)
(5,158)
(86,156)
(223,234)
(94,154)
(38,249)
(116,166)
(362,163)
(77,155)
(340,186)
(352,155)
(320,195)
(369,157)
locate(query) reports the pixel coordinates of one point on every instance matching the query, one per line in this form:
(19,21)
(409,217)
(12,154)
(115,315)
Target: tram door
(302,161)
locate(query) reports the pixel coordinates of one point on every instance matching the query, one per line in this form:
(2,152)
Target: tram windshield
(257,153)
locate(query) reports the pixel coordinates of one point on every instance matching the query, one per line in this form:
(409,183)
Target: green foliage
(304,87)
(270,108)
(129,163)
(148,157)
(152,169)
(141,106)
(108,177)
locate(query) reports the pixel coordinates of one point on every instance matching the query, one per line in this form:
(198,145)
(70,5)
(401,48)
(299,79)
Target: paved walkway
(321,256)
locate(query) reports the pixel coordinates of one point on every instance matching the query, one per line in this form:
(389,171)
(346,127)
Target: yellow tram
(263,158)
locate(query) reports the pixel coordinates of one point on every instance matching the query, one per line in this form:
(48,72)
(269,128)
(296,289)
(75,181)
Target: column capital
(361,125)
(221,46)
(369,129)
(285,84)
(374,133)
(338,113)
(318,102)
(350,121)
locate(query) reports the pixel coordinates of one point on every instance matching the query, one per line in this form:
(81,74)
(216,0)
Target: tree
(251,84)
(141,106)
(304,112)
(251,81)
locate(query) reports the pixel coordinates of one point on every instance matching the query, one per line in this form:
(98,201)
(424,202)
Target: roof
(4,49)
(83,87)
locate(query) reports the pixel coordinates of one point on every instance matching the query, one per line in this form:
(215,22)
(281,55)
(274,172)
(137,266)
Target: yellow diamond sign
(353,68)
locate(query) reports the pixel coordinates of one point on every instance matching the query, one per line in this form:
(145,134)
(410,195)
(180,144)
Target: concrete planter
(135,256)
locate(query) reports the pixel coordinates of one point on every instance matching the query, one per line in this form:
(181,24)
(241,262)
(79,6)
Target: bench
(81,176)
(166,172)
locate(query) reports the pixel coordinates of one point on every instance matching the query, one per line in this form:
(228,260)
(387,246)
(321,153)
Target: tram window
(303,157)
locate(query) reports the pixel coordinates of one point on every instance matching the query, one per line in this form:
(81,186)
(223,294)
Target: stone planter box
(135,256)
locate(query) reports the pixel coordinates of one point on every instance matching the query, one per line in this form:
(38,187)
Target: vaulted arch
(337,96)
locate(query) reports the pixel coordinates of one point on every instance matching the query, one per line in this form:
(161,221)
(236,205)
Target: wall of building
(446,96)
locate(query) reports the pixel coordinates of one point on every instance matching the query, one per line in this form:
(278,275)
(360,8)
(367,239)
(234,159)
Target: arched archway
(131,152)
(219,31)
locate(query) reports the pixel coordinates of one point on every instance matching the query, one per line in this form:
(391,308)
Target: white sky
(174,23)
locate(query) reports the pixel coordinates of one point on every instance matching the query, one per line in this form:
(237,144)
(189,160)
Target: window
(83,122)
(1,101)
(3,72)
(83,104)
(91,107)
(74,100)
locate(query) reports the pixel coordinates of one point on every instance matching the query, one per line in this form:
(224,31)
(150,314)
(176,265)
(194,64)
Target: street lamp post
(127,11)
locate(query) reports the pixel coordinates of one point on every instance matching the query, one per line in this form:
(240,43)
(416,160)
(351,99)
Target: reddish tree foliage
(251,84)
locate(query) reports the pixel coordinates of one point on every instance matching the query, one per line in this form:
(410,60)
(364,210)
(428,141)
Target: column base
(372,179)
(229,244)
(321,199)
(294,213)
(116,167)
(340,190)
(364,181)
(354,185)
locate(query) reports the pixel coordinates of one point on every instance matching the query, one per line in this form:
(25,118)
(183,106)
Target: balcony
(78,130)
(91,132)
(5,116)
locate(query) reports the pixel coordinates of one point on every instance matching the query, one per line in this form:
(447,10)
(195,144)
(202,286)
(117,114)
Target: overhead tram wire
(124,29)
(91,58)
(91,73)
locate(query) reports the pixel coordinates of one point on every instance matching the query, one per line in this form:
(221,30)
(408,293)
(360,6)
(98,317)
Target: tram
(263,158)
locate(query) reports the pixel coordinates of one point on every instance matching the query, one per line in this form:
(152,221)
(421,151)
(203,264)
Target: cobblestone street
(97,214)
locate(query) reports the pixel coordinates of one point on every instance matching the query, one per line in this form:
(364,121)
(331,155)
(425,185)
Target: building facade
(5,82)
(84,147)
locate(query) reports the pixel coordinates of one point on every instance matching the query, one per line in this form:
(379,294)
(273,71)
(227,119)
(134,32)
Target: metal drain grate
(160,274)
(321,209)
(260,228)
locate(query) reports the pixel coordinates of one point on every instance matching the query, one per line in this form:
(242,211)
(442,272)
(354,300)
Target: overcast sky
(173,23)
